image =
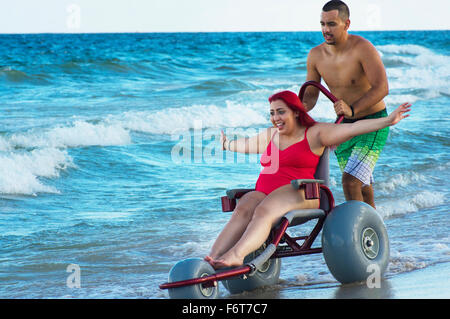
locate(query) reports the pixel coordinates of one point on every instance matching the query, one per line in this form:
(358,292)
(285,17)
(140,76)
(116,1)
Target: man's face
(333,28)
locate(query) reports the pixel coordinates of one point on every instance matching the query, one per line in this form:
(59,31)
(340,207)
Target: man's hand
(342,108)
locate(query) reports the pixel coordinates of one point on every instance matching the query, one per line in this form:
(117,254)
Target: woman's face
(282,117)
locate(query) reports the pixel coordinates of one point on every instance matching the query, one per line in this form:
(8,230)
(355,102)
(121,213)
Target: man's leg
(352,187)
(367,193)
(355,190)
(357,158)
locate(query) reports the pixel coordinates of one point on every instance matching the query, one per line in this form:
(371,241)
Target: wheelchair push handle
(324,91)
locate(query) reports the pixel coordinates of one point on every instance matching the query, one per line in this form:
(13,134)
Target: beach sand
(432,282)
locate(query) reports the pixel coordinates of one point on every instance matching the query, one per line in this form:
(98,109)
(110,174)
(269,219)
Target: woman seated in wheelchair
(292,149)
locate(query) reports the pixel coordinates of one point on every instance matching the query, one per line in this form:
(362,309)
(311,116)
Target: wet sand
(431,282)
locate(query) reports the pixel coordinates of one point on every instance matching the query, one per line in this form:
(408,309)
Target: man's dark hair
(340,6)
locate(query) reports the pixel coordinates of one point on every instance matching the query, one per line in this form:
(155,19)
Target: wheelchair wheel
(266,276)
(188,269)
(355,242)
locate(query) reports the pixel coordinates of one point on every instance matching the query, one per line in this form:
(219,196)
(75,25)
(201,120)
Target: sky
(86,16)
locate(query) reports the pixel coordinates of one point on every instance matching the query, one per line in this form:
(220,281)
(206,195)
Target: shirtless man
(353,71)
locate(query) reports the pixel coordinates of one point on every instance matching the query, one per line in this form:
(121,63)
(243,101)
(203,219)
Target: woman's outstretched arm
(248,145)
(334,134)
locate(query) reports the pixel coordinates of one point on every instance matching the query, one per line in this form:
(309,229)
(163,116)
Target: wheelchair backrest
(323,172)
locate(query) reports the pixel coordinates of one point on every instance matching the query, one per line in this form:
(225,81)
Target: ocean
(111,168)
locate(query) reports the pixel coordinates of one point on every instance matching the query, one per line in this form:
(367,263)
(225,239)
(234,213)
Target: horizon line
(254,31)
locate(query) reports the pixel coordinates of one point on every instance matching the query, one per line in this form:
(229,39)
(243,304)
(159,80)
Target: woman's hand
(223,139)
(399,113)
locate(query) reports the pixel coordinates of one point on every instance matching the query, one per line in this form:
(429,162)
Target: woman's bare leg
(266,215)
(237,224)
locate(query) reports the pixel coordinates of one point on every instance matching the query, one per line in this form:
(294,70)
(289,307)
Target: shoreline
(431,282)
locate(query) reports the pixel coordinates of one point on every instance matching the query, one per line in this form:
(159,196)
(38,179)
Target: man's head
(335,21)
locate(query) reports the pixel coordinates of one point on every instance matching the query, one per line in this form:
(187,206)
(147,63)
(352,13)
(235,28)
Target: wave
(78,134)
(406,49)
(114,65)
(20,172)
(11,75)
(399,263)
(422,200)
(176,120)
(410,67)
(116,129)
(25,158)
(233,115)
(223,86)
(400,180)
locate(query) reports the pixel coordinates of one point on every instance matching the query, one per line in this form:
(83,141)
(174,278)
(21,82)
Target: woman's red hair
(293,102)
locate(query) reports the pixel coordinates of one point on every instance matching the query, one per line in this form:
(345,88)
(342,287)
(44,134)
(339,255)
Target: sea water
(110,163)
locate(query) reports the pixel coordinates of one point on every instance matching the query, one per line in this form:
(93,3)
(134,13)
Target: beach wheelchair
(354,241)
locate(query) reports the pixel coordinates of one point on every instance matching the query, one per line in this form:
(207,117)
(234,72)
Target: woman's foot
(227,260)
(209,260)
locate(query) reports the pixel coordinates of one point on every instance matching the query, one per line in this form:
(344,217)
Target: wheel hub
(370,243)
(206,291)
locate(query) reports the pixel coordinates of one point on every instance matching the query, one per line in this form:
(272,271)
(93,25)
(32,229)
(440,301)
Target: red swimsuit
(295,162)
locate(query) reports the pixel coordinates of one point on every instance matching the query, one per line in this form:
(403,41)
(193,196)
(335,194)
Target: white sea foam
(400,180)
(403,49)
(20,172)
(175,120)
(191,249)
(415,67)
(78,134)
(4,144)
(399,263)
(421,200)
(43,153)
(442,248)
(395,100)
(427,199)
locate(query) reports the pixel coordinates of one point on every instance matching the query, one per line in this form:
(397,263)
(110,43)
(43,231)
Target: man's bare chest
(340,71)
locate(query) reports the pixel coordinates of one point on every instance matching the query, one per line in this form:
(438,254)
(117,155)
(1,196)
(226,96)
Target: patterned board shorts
(359,155)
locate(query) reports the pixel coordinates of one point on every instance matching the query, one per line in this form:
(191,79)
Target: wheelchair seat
(301,216)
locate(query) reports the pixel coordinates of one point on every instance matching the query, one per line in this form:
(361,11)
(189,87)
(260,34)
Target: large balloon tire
(355,242)
(267,275)
(189,269)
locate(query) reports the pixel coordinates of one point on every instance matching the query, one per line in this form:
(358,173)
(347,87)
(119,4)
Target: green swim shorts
(359,155)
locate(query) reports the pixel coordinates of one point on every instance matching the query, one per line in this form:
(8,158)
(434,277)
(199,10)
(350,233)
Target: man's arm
(376,75)
(311,93)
